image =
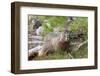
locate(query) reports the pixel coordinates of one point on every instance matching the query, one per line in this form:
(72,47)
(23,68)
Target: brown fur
(53,43)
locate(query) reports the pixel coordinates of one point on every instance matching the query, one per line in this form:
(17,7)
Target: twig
(81,44)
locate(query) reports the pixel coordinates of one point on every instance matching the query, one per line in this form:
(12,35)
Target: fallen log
(33,52)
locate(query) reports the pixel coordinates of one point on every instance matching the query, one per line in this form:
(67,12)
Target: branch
(81,44)
(34,50)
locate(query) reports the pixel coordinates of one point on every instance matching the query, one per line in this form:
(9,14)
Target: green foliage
(56,55)
(80,23)
(51,22)
(81,53)
(55,21)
